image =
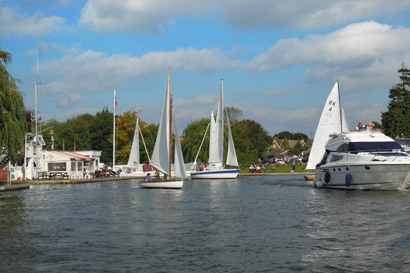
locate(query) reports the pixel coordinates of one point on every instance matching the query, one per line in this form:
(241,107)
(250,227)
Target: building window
(56,167)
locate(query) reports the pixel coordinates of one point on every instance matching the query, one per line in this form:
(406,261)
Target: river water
(251,224)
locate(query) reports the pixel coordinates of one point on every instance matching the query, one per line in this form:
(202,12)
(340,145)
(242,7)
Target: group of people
(256,169)
(360,126)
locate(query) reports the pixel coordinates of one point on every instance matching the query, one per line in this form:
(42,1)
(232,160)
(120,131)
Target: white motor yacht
(363,160)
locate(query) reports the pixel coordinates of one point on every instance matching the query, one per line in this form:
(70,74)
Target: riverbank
(19,185)
(15,185)
(80,181)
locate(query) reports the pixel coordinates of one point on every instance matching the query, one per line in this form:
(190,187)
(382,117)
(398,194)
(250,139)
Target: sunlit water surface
(251,224)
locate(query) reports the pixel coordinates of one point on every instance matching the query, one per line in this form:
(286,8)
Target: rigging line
(145,146)
(203,139)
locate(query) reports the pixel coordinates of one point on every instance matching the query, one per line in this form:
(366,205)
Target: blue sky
(279,59)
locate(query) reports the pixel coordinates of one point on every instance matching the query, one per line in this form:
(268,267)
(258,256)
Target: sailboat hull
(162,184)
(215,174)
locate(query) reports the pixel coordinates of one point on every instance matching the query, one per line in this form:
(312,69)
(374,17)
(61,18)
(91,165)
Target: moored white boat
(163,149)
(134,168)
(163,184)
(363,160)
(215,168)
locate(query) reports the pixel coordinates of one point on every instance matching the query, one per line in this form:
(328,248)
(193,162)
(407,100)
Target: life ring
(348,180)
(327,177)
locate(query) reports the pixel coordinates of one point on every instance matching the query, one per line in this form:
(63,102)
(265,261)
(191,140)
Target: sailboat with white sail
(215,168)
(330,122)
(134,167)
(162,155)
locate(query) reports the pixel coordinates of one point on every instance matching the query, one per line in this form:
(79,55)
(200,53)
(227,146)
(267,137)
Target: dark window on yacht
(323,161)
(336,158)
(374,146)
(343,148)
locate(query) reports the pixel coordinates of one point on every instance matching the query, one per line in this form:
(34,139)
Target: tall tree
(396,121)
(194,133)
(125,136)
(251,140)
(101,134)
(12,111)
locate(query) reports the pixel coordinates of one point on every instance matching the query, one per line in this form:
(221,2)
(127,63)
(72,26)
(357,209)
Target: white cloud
(307,14)
(38,25)
(367,52)
(94,71)
(149,16)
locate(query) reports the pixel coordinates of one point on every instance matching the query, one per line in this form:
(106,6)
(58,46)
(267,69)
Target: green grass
(279,168)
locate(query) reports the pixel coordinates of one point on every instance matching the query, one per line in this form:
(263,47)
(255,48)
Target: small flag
(119,122)
(115,108)
(31,117)
(39,119)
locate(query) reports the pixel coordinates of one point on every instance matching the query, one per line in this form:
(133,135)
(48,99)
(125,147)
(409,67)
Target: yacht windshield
(374,146)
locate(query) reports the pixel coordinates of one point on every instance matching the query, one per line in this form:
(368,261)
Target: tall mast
(170,120)
(35,97)
(113,135)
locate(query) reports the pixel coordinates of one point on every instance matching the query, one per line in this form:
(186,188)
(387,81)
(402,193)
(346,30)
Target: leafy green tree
(194,133)
(125,136)
(377,125)
(233,114)
(101,134)
(291,136)
(12,111)
(251,140)
(284,134)
(396,121)
(300,136)
(149,133)
(286,144)
(297,149)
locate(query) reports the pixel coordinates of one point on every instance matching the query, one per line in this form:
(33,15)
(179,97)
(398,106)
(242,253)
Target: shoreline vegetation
(278,169)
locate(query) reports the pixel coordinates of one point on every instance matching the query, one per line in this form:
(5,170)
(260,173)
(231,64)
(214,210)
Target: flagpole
(113,139)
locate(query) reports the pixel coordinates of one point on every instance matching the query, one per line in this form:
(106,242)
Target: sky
(278,59)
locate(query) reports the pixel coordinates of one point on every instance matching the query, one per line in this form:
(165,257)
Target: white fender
(319,184)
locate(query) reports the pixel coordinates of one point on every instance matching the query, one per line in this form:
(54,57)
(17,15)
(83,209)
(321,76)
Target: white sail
(134,159)
(220,124)
(213,142)
(231,158)
(345,125)
(329,123)
(178,158)
(215,168)
(160,156)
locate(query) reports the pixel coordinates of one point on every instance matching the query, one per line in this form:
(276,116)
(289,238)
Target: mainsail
(231,158)
(134,159)
(178,157)
(213,142)
(160,156)
(329,123)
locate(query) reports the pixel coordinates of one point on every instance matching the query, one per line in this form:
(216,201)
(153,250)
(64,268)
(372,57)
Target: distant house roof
(277,143)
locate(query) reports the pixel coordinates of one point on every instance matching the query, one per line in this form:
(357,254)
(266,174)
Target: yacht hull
(215,174)
(162,184)
(364,176)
